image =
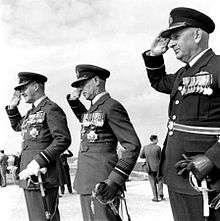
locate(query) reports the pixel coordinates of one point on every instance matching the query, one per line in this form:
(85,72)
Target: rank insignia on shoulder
(200,83)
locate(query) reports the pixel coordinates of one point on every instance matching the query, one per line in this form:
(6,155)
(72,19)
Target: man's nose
(171,43)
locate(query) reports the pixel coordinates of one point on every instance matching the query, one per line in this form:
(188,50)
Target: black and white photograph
(110,110)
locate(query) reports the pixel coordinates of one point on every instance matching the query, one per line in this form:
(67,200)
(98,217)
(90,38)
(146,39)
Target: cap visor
(78,82)
(21,85)
(166,33)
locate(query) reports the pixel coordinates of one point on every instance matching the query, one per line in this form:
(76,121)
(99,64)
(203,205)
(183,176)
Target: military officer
(192,148)
(45,136)
(104,124)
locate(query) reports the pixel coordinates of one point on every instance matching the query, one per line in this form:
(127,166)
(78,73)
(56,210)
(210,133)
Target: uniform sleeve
(57,123)
(213,154)
(15,118)
(123,129)
(77,107)
(159,80)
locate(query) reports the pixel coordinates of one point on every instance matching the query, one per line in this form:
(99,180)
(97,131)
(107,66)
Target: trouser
(3,176)
(156,185)
(35,207)
(92,210)
(190,207)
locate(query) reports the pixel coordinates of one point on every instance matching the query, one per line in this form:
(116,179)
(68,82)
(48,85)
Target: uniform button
(174,117)
(170,133)
(177,102)
(180,88)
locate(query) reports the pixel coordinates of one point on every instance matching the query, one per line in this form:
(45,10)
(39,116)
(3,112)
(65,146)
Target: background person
(3,168)
(152,154)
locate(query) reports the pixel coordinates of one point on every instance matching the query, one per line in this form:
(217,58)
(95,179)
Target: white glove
(32,169)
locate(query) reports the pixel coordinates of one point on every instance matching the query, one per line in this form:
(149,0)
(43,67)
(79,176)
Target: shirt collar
(98,96)
(39,100)
(196,58)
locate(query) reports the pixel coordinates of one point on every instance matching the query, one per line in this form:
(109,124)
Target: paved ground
(13,208)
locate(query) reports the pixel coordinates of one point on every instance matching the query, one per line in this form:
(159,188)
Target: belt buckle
(170,125)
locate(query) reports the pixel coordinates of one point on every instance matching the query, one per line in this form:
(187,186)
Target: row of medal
(201,83)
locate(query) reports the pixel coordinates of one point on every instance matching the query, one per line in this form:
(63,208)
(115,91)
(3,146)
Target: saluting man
(192,148)
(104,124)
(45,136)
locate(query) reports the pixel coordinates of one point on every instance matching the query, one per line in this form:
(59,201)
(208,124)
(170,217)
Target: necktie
(187,67)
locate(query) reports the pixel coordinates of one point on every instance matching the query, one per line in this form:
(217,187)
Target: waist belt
(172,126)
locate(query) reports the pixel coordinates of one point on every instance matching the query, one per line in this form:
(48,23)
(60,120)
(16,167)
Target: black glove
(199,165)
(181,166)
(106,191)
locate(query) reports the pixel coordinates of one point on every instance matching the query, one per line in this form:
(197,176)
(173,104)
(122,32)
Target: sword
(204,189)
(43,195)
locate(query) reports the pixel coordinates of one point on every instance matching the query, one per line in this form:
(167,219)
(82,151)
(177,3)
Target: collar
(39,100)
(196,58)
(98,96)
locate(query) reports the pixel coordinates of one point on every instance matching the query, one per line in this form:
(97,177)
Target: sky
(51,37)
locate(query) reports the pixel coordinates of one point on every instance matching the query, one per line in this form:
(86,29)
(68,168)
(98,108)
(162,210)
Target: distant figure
(152,153)
(3,168)
(65,175)
(16,171)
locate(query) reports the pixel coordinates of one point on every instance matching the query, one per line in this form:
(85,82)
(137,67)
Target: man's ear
(36,86)
(197,35)
(97,80)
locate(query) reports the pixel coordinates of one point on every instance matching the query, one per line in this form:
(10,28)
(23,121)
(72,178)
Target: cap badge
(170,20)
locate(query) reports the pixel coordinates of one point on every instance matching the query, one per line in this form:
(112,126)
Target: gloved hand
(32,169)
(181,166)
(199,165)
(106,191)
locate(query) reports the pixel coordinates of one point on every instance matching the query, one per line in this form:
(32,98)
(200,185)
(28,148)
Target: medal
(34,132)
(207,91)
(92,136)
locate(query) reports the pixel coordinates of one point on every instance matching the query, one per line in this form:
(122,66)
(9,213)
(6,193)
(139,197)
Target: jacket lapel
(197,67)
(100,101)
(40,105)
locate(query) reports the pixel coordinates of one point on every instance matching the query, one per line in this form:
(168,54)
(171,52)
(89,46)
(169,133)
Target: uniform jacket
(103,125)
(194,100)
(151,153)
(45,136)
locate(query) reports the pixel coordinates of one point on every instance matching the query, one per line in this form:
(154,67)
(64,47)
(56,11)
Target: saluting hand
(159,46)
(15,100)
(75,94)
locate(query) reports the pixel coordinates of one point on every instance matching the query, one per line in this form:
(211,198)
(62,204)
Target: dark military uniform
(45,136)
(194,101)
(103,125)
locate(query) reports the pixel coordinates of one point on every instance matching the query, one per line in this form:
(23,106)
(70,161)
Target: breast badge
(92,136)
(34,132)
